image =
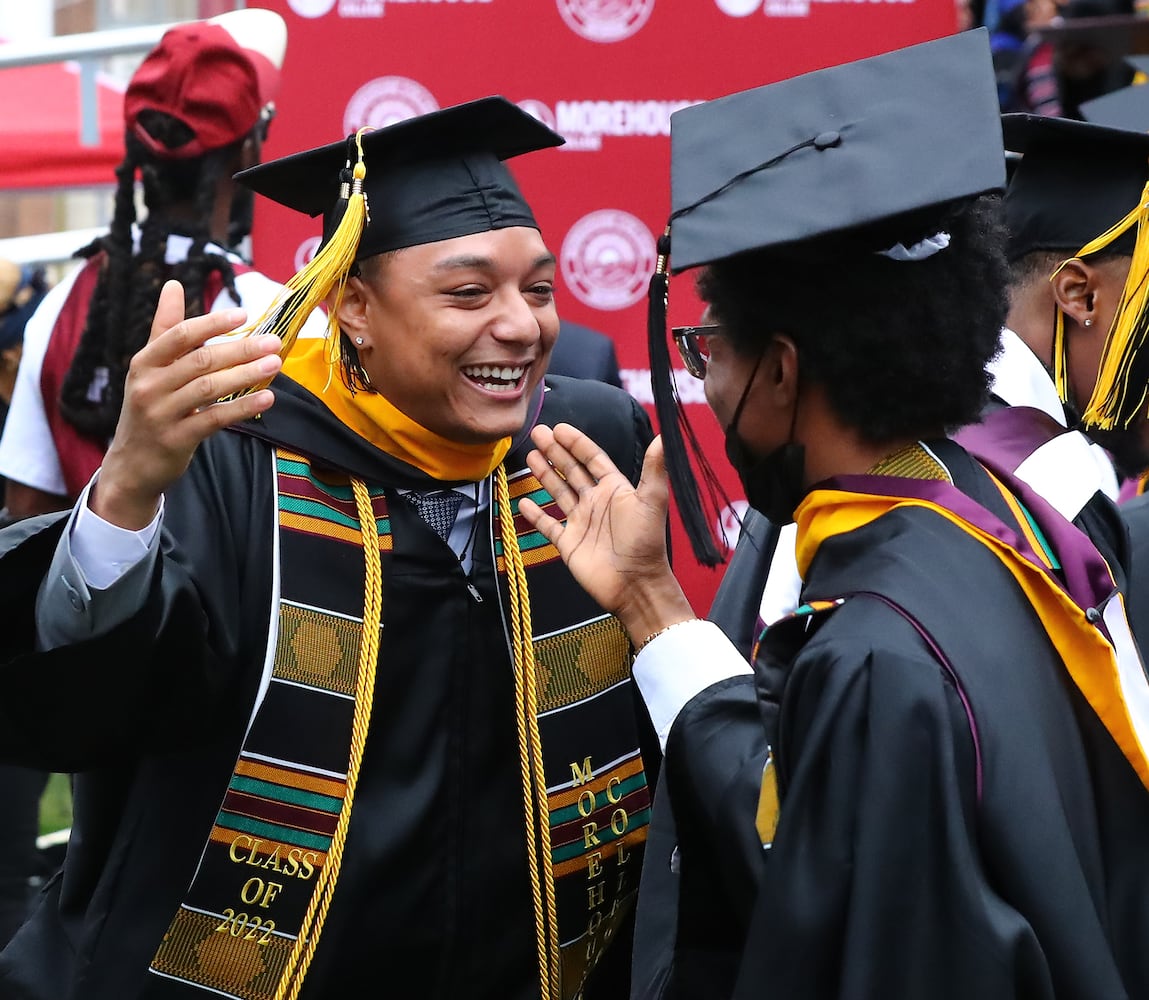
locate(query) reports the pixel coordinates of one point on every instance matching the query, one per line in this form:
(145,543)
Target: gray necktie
(438,509)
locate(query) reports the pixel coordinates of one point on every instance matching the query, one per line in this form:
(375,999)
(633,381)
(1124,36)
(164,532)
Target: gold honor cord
(535,804)
(303,951)
(308,287)
(1114,401)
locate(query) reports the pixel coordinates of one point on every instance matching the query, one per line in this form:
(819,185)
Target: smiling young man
(355,724)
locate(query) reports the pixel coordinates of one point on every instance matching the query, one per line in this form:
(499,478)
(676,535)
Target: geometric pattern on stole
(600,818)
(271,835)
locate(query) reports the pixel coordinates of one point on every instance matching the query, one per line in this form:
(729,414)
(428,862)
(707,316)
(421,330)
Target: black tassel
(672,422)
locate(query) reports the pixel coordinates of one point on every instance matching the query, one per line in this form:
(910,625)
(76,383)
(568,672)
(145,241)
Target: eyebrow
(478,262)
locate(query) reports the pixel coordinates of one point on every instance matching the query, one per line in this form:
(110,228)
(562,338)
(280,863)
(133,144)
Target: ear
(1074,290)
(780,364)
(352,311)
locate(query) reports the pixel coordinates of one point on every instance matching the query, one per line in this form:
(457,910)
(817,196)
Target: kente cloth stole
(596,807)
(253,914)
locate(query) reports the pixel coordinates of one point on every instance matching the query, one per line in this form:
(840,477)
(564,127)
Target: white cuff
(104,552)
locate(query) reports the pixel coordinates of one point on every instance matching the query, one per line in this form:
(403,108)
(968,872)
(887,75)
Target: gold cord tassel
(535,803)
(302,953)
(1115,400)
(328,269)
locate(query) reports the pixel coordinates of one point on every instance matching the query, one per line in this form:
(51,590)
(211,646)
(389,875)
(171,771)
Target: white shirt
(1068,470)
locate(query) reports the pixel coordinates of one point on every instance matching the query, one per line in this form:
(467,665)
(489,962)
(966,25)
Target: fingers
(172,337)
(551,481)
(653,482)
(585,452)
(169,309)
(576,463)
(550,528)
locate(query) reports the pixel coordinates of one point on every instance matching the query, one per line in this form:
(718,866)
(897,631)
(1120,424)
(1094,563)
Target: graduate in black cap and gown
(341,720)
(930,780)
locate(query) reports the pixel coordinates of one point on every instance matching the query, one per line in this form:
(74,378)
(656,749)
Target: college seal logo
(385,101)
(605,20)
(607,259)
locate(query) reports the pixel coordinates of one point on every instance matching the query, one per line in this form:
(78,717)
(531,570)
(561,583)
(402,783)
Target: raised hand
(614,538)
(170,404)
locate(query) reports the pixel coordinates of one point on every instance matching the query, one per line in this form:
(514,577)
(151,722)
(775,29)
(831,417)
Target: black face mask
(774,485)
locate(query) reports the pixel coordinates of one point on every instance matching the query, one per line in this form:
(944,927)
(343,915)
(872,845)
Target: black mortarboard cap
(1074,181)
(429,178)
(1126,108)
(853,158)
(836,151)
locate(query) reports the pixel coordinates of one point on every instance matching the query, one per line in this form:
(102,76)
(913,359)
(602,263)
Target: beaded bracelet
(665,628)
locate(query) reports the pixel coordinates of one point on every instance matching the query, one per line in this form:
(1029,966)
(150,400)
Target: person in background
(353,727)
(933,778)
(21,289)
(1072,357)
(195,111)
(585,353)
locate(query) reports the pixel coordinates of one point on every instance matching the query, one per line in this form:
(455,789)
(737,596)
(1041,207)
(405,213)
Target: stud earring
(1088,321)
(359,340)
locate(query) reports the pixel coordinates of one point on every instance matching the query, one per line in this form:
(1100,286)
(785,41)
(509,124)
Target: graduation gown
(949,829)
(433,897)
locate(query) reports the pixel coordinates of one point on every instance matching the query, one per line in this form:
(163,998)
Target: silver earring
(1088,322)
(359,340)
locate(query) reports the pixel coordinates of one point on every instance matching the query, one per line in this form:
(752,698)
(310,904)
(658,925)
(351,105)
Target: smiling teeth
(488,371)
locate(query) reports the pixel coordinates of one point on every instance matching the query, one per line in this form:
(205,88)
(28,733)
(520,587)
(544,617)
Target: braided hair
(128,288)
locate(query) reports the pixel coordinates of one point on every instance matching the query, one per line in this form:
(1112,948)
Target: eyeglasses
(693,344)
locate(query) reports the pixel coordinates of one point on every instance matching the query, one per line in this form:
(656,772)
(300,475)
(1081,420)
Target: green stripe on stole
(233,934)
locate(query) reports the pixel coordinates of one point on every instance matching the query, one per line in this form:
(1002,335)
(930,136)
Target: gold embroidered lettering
(582,775)
(586,803)
(273,889)
(594,865)
(612,786)
(589,838)
(596,894)
(273,859)
(252,890)
(623,854)
(243,841)
(308,862)
(619,821)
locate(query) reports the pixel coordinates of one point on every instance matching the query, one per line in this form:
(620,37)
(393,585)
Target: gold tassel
(310,285)
(1115,402)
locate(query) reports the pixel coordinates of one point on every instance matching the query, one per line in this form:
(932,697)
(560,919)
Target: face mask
(773,485)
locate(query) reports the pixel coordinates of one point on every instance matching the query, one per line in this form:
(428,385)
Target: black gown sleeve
(170,675)
(873,887)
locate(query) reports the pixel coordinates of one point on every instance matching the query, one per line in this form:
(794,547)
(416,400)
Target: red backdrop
(604,73)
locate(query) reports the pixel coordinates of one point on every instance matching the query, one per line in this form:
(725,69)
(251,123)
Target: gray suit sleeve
(68,610)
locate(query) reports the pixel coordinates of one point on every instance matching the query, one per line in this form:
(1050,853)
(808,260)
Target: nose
(518,320)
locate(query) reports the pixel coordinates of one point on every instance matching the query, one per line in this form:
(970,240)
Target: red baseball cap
(215,76)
